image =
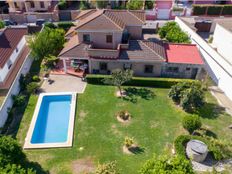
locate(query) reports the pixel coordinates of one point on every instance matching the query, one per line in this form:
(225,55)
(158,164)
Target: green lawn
(154,125)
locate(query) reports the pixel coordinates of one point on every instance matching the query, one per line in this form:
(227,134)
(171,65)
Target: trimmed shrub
(15,169)
(32,87)
(176,90)
(10,151)
(180,143)
(167,165)
(65,25)
(50,25)
(107,168)
(24,80)
(214,10)
(2,25)
(35,78)
(134,5)
(18,100)
(102,4)
(191,123)
(139,81)
(227,10)
(149,4)
(199,9)
(62,5)
(192,98)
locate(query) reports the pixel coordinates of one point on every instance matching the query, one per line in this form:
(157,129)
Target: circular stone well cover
(198,146)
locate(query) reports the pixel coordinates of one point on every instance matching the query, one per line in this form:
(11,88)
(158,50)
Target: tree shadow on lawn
(206,132)
(136,150)
(133,93)
(36,167)
(210,111)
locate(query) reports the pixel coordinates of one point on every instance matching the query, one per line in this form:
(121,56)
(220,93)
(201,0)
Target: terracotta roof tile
(120,18)
(85,13)
(9,40)
(142,50)
(74,49)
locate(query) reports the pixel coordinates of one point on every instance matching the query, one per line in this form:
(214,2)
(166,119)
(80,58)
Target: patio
(63,83)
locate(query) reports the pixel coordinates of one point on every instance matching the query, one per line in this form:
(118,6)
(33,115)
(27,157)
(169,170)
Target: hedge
(139,81)
(65,25)
(214,10)
(227,10)
(182,140)
(199,10)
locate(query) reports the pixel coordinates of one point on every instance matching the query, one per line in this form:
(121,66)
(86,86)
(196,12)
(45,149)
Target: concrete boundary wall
(14,90)
(219,69)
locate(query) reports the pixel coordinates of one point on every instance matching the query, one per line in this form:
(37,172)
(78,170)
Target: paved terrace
(63,83)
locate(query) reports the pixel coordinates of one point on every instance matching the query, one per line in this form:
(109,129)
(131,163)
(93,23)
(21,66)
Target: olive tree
(118,78)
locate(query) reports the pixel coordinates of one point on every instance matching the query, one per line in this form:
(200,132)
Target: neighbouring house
(28,6)
(104,40)
(13,51)
(222,39)
(217,60)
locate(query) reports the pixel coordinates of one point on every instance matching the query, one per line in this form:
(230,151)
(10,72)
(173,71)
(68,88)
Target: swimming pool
(52,122)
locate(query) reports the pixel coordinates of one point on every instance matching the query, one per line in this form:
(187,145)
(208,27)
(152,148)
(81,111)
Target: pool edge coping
(69,142)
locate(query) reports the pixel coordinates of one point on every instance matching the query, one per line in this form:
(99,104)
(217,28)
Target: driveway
(63,83)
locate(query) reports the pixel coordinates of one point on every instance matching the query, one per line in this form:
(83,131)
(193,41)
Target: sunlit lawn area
(154,125)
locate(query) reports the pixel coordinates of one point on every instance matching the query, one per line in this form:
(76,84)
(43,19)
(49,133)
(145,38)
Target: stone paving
(63,83)
(222,99)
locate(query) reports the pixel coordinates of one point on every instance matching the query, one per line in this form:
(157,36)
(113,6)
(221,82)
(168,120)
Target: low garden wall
(139,81)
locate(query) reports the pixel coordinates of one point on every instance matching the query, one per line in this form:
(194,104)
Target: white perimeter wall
(14,90)
(217,67)
(222,40)
(4,71)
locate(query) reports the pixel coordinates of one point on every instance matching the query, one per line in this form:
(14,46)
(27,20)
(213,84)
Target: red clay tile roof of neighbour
(9,39)
(120,18)
(144,50)
(183,53)
(85,13)
(74,49)
(70,31)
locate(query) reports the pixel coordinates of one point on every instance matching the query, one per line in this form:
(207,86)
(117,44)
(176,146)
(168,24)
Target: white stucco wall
(217,67)
(4,71)
(222,40)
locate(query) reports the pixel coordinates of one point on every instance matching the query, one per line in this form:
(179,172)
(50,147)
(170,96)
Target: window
(173,69)
(16,5)
(9,64)
(148,69)
(42,4)
(32,4)
(188,69)
(127,66)
(103,66)
(16,49)
(86,38)
(109,39)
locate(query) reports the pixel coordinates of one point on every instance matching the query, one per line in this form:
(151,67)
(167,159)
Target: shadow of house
(132,94)
(210,111)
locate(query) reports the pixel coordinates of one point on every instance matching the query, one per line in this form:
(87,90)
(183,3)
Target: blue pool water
(53,120)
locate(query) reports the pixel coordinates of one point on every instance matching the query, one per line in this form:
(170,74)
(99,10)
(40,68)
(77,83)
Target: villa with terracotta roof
(104,40)
(13,51)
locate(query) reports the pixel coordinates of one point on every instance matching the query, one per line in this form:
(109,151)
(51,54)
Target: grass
(155,123)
